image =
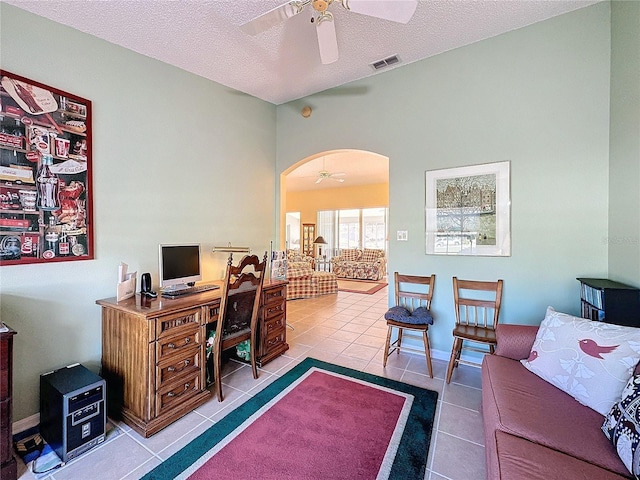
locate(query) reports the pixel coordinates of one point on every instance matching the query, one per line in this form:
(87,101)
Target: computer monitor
(179,265)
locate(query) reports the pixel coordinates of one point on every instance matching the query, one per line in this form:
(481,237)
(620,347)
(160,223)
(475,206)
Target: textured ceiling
(283,63)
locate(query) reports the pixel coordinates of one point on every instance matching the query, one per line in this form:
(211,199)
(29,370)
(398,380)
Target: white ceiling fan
(399,11)
(324,174)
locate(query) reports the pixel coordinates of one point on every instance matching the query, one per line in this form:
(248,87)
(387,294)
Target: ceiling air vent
(385,62)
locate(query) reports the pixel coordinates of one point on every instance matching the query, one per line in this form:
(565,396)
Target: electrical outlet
(402,235)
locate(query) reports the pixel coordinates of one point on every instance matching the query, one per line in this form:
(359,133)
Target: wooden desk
(153,352)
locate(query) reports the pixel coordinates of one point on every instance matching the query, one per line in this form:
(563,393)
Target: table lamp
(319,241)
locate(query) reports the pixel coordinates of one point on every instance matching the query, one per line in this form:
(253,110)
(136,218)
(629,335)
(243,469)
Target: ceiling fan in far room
(326,175)
(399,11)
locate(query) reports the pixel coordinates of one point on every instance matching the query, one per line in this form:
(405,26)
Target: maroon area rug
(325,426)
(318,421)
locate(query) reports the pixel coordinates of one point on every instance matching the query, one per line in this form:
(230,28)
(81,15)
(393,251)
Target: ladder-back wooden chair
(413,296)
(476,319)
(239,308)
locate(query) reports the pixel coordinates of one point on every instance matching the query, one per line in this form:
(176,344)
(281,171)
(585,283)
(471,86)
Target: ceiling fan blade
(399,11)
(338,179)
(327,40)
(319,179)
(269,19)
(339,174)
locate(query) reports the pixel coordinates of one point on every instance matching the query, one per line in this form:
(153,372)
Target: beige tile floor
(345,328)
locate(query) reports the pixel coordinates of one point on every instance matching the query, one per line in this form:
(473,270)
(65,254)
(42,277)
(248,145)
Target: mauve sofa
(532,429)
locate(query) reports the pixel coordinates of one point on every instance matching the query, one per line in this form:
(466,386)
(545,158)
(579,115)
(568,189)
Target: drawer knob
(171,345)
(187,340)
(173,394)
(174,369)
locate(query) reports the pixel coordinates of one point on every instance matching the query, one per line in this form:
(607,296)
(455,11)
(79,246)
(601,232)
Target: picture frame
(468,210)
(46,201)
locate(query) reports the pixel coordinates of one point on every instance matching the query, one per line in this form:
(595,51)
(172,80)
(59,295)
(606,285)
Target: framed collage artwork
(45,173)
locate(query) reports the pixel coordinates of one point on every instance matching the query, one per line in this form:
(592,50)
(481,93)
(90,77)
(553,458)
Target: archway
(334,179)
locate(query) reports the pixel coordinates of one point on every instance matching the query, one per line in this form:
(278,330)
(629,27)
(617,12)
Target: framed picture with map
(468,210)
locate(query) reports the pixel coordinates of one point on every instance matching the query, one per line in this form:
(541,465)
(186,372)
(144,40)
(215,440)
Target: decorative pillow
(370,255)
(622,426)
(351,254)
(591,361)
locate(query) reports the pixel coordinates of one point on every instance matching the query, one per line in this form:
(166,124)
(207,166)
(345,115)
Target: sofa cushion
(518,402)
(589,360)
(298,270)
(520,458)
(622,426)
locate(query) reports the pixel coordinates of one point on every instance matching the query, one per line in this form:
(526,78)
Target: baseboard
(26,423)
(439,354)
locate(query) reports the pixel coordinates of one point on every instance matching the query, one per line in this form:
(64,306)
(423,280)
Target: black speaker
(145,283)
(72,410)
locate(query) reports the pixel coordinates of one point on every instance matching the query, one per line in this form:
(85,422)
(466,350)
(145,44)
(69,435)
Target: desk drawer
(187,364)
(175,394)
(177,323)
(273,325)
(274,295)
(277,338)
(273,310)
(170,346)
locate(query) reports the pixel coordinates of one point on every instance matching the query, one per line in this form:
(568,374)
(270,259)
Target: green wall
(170,149)
(624,177)
(174,157)
(539,97)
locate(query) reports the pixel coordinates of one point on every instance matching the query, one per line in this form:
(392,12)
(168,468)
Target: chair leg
(455,353)
(217,377)
(399,339)
(427,352)
(252,352)
(386,346)
(492,348)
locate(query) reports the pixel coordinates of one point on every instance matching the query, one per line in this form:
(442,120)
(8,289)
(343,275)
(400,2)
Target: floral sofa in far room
(360,264)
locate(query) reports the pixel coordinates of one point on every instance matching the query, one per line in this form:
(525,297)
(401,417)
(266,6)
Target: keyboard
(189,291)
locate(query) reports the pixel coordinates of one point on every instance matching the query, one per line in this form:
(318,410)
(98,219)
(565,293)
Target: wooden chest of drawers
(7,461)
(154,352)
(273,325)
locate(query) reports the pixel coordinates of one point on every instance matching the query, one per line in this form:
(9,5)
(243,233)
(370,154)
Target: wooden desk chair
(410,294)
(239,306)
(476,319)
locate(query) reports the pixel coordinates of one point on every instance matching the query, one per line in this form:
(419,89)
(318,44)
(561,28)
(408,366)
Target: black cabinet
(608,301)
